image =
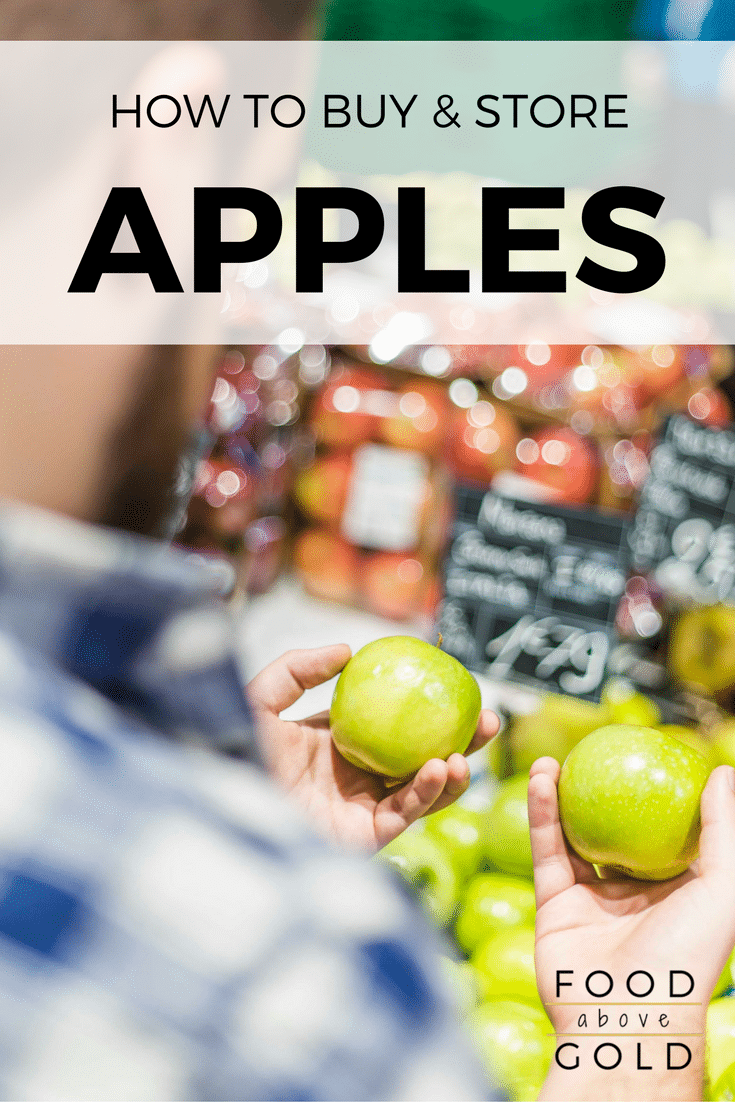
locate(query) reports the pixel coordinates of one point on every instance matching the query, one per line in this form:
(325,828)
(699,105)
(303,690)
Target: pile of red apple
(471,867)
(241,487)
(560,423)
(358,407)
(566,423)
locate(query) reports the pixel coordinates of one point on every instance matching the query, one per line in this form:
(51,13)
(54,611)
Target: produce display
(702,648)
(556,423)
(470,864)
(343,464)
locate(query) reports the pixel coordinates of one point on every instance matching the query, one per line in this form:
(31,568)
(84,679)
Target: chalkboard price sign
(684,531)
(532,591)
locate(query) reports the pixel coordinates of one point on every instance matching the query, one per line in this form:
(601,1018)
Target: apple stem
(440,640)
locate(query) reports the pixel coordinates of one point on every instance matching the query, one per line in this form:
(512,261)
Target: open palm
(622,926)
(355,808)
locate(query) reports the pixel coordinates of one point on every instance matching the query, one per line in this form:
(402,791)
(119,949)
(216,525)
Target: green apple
(508,842)
(493,903)
(625,705)
(726,978)
(691,737)
(420,862)
(516,1044)
(553,729)
(460,832)
(576,717)
(505,965)
(462,981)
(724,1088)
(702,648)
(723,742)
(399,702)
(533,736)
(497,755)
(629,800)
(720,1037)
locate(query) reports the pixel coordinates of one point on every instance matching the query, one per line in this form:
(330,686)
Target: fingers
(281,684)
(458,779)
(552,868)
(436,785)
(487,728)
(717,840)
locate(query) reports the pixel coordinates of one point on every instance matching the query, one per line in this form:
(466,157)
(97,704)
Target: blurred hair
(143,454)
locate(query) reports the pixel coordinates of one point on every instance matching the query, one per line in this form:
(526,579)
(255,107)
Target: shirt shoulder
(170,929)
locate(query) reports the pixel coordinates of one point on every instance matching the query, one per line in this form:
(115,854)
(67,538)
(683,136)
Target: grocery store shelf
(287,618)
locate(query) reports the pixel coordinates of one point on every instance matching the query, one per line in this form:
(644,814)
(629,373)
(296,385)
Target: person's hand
(623,926)
(353,807)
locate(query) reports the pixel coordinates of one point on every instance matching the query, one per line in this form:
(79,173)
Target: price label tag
(532,591)
(684,531)
(386,496)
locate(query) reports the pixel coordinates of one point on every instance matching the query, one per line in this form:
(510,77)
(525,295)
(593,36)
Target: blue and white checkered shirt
(169,927)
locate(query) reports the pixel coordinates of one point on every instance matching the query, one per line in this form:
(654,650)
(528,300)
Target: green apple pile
(472,869)
(558,723)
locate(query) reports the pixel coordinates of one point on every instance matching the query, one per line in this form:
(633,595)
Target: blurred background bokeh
(330,488)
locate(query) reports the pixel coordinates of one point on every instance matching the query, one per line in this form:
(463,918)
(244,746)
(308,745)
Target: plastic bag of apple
(375,498)
(240,489)
(566,423)
(471,867)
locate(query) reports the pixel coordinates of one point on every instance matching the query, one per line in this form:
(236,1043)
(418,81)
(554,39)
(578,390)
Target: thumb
(717,840)
(281,684)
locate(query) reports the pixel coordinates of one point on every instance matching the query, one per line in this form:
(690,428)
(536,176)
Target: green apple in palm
(493,903)
(460,832)
(420,861)
(629,801)
(399,702)
(516,1043)
(508,841)
(505,965)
